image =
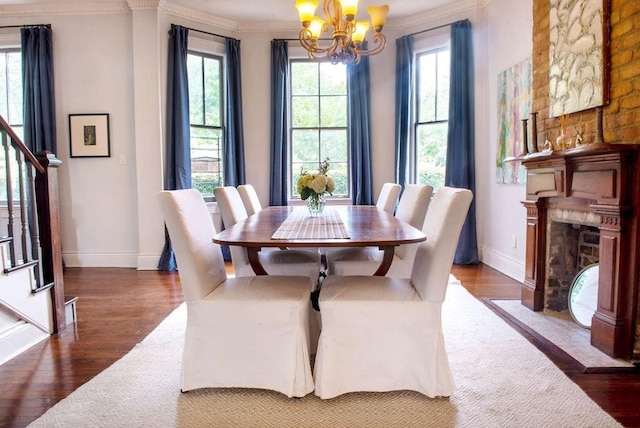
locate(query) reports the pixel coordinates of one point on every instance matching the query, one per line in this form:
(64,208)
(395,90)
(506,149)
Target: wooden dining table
(364,226)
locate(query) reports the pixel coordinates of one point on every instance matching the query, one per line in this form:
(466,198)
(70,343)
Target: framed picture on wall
(89,135)
(578,55)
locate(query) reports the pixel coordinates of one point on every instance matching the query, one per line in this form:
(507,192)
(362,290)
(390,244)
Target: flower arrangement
(313,187)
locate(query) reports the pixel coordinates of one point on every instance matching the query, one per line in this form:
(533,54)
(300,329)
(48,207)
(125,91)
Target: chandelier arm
(312,45)
(332,14)
(380,42)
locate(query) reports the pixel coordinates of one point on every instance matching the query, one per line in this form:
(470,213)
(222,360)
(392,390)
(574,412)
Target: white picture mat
(79,146)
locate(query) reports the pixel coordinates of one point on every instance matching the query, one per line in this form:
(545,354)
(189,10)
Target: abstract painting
(578,77)
(514,104)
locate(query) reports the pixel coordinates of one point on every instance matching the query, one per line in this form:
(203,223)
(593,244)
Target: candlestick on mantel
(534,132)
(599,133)
(524,148)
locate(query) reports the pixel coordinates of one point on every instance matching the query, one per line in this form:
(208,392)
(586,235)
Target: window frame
(292,196)
(18,128)
(432,45)
(211,50)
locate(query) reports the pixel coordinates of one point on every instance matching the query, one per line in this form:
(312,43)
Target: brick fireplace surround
(602,180)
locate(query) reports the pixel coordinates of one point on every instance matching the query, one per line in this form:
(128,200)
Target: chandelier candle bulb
(306,10)
(378,16)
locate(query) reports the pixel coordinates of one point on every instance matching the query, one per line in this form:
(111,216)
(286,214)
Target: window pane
(443,85)
(340,174)
(212,95)
(334,111)
(333,79)
(14,64)
(427,88)
(431,152)
(304,78)
(196,97)
(206,159)
(3,85)
(305,146)
(305,112)
(11,111)
(334,145)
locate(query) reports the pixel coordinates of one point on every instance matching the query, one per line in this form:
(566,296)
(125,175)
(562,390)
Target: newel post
(49,222)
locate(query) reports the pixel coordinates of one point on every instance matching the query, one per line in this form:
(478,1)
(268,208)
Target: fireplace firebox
(601,183)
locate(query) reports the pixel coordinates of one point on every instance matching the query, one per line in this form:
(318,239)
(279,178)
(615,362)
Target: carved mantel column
(611,330)
(532,293)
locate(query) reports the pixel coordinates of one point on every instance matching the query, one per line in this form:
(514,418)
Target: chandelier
(348,33)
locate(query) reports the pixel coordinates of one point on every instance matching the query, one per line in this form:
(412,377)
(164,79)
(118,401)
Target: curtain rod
(431,29)
(204,32)
(411,34)
(297,40)
(26,26)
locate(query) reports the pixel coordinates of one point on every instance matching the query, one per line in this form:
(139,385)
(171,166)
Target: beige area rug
(502,381)
(557,329)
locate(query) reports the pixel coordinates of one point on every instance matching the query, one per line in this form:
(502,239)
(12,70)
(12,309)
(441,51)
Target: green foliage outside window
(206,118)
(319,122)
(11,111)
(432,112)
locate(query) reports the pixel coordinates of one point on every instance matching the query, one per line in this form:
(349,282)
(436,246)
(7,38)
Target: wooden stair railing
(29,193)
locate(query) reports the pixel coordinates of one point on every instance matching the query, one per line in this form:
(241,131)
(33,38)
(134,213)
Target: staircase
(32,301)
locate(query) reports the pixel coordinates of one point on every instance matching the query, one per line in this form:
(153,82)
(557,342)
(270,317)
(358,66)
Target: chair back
(250,199)
(434,257)
(412,209)
(388,197)
(199,259)
(233,211)
(413,204)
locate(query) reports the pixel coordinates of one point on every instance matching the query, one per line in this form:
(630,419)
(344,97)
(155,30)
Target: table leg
(254,261)
(387,258)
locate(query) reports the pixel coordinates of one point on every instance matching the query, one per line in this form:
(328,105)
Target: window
(206,119)
(432,113)
(319,122)
(10,109)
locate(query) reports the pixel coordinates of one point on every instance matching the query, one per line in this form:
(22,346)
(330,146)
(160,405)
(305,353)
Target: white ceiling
(266,10)
(240,11)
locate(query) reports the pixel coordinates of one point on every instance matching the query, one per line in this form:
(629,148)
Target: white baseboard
(504,264)
(148,262)
(129,260)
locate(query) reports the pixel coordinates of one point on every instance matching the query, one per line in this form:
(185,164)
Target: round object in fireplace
(583,295)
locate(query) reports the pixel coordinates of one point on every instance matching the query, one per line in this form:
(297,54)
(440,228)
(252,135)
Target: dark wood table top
(366,226)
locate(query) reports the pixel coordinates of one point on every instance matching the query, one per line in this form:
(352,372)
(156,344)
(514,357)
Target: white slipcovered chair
(412,209)
(276,262)
(385,334)
(249,332)
(250,199)
(388,197)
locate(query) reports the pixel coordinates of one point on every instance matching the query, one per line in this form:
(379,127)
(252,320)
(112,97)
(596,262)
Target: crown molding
(438,14)
(143,4)
(64,8)
(70,7)
(197,16)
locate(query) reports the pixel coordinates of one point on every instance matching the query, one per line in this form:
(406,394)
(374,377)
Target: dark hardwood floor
(117,308)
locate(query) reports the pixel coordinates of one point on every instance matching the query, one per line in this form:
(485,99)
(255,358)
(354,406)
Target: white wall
(108,208)
(508,34)
(92,72)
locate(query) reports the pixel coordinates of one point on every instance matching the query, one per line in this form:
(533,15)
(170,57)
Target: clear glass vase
(315,203)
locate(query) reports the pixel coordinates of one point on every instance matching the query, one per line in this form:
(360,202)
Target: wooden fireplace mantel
(603,179)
